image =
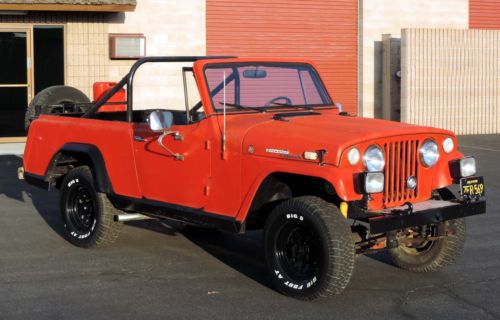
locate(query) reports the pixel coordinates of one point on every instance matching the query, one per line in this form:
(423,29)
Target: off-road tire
(441,253)
(53,95)
(99,229)
(329,236)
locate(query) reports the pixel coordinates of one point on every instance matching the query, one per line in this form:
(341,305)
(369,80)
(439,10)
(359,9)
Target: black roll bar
(129,79)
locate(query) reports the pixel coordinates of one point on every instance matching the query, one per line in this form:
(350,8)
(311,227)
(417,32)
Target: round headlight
(448,145)
(353,156)
(429,153)
(373,159)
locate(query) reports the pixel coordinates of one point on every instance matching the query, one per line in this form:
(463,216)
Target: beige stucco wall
(378,17)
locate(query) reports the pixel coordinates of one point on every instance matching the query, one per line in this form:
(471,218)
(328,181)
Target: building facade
(55,42)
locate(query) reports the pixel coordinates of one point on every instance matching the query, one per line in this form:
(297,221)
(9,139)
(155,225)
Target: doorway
(15,80)
(48,56)
(31,59)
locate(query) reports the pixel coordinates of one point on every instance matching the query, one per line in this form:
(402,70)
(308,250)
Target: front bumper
(423,213)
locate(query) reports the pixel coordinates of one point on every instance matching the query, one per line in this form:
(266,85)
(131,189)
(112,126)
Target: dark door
(15,84)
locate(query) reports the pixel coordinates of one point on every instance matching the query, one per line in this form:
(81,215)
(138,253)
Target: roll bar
(129,79)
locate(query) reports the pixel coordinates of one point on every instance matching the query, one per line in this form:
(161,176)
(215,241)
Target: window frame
(316,78)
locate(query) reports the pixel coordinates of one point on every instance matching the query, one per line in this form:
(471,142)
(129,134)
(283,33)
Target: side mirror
(160,120)
(339,106)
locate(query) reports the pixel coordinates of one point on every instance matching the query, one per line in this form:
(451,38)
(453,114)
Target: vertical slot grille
(401,163)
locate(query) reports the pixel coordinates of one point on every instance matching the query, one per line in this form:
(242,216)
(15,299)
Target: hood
(325,130)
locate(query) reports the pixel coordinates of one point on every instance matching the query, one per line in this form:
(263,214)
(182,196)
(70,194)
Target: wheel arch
(277,187)
(76,154)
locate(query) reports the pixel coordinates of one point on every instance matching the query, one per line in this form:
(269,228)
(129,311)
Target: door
(164,178)
(15,80)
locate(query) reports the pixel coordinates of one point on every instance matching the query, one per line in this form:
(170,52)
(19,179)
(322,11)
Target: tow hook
(20,173)
(410,207)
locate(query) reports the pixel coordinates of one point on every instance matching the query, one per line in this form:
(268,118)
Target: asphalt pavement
(169,271)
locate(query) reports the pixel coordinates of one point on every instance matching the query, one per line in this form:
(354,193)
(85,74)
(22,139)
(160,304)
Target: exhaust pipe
(131,217)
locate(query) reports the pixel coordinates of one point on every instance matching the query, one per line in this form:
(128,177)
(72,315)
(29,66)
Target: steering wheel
(286,100)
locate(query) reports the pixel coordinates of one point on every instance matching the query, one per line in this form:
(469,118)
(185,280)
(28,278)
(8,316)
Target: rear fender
(86,154)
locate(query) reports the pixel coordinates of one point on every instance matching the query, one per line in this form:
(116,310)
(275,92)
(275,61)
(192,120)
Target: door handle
(140,139)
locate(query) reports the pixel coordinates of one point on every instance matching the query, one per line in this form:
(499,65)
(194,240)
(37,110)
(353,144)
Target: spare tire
(53,95)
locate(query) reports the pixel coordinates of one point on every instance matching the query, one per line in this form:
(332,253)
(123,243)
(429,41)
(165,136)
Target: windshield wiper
(292,106)
(239,106)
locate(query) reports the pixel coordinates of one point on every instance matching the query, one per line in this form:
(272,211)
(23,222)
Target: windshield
(265,85)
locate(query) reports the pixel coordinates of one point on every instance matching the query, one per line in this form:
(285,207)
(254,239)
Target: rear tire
(308,248)
(88,215)
(436,254)
(53,95)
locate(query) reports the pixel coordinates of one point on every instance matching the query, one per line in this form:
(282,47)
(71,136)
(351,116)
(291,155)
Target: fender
(251,194)
(84,152)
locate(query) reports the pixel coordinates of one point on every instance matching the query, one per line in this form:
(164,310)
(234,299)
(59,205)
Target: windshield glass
(265,85)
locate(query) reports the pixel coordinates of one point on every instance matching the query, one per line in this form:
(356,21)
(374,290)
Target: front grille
(401,163)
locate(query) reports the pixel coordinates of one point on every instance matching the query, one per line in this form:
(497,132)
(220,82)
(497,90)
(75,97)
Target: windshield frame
(319,84)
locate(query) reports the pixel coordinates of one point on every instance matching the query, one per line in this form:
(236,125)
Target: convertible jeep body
(265,147)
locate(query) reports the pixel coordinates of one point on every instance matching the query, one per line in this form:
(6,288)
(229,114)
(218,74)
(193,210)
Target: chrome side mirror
(339,106)
(160,120)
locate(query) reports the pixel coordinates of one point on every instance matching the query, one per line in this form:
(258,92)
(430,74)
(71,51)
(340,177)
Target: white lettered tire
(88,215)
(309,248)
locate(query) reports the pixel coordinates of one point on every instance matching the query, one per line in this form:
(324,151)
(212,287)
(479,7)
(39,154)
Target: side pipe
(131,217)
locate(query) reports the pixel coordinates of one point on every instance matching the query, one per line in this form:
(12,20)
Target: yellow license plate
(472,187)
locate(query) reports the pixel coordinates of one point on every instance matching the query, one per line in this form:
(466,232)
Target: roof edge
(67,7)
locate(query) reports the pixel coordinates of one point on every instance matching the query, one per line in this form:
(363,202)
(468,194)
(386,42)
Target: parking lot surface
(165,270)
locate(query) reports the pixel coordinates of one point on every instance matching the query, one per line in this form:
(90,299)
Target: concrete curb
(12,148)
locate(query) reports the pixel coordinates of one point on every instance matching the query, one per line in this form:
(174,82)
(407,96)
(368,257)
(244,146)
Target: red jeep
(266,147)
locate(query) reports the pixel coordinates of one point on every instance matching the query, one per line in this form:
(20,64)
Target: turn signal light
(311,155)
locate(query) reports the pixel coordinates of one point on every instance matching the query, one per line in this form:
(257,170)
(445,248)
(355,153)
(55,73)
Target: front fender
(341,180)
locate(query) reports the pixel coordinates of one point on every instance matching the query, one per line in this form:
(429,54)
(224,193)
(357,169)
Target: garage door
(325,31)
(484,14)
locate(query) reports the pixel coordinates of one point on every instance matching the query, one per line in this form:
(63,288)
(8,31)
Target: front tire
(308,248)
(432,255)
(88,215)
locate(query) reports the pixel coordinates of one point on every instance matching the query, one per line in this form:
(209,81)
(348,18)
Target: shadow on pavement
(242,253)
(382,256)
(46,203)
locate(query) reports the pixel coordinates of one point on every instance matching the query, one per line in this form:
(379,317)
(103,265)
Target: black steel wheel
(81,208)
(88,215)
(298,251)
(309,249)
